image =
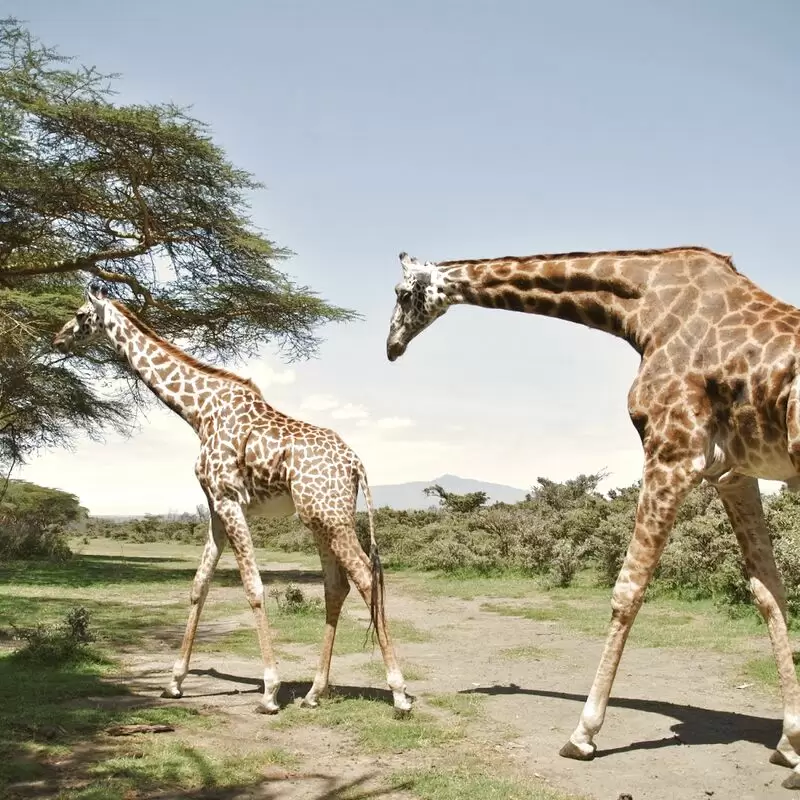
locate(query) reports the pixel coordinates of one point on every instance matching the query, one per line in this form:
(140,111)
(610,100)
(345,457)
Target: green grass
(110,579)
(469,587)
(763,672)
(530,653)
(306,627)
(471,782)
(133,594)
(46,710)
(662,622)
(161,764)
(468,706)
(372,724)
(376,669)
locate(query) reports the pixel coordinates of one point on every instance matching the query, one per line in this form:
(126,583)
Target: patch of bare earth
(677,726)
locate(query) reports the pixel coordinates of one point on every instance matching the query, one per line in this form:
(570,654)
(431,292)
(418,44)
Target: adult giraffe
(253,460)
(715,398)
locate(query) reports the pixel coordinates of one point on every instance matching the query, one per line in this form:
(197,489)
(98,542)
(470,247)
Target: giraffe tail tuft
(376,605)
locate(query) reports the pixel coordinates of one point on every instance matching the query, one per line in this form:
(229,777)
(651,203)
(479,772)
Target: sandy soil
(677,726)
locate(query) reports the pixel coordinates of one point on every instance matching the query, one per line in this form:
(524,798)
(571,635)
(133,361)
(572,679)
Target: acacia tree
(457,503)
(140,197)
(34,520)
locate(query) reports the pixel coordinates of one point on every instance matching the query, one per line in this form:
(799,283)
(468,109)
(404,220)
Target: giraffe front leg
(215,543)
(233,518)
(337,588)
(663,489)
(742,500)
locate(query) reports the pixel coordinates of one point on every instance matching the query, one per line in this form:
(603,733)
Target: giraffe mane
(182,355)
(726,259)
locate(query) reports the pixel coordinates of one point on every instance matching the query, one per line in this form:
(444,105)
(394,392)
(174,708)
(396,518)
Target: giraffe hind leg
(364,576)
(742,500)
(342,542)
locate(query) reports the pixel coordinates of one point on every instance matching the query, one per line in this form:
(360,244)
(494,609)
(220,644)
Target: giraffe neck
(182,383)
(615,292)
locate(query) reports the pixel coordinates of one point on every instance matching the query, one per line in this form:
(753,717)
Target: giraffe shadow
(291,691)
(694,726)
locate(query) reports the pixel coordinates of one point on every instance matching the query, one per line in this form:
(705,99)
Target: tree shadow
(695,725)
(93,571)
(330,788)
(69,707)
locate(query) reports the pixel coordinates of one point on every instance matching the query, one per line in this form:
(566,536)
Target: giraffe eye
(403,295)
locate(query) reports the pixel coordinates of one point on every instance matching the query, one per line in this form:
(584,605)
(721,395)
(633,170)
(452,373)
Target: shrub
(60,643)
(291,600)
(565,562)
(610,543)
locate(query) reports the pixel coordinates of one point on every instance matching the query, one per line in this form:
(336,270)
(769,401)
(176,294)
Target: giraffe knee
(254,591)
(625,602)
(768,602)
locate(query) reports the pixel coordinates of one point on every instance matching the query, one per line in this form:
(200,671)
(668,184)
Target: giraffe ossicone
(254,460)
(716,398)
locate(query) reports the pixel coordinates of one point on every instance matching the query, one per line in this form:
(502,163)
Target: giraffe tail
(376,604)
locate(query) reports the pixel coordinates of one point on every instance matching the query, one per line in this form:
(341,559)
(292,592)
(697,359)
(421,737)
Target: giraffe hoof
(402,712)
(792,782)
(263,708)
(309,702)
(172,694)
(580,752)
(780,759)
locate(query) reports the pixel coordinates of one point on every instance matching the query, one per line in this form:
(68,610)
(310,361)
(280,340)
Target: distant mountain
(411,496)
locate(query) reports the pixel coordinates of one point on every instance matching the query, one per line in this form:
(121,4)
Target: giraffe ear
(408,263)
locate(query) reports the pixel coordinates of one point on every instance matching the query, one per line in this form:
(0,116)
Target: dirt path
(677,727)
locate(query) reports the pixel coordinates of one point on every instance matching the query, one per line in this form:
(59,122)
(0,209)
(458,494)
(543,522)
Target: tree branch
(74,264)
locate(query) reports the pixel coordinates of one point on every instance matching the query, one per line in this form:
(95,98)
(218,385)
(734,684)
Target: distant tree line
(560,530)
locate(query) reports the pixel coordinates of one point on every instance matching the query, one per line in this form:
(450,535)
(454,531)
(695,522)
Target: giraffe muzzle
(61,343)
(394,350)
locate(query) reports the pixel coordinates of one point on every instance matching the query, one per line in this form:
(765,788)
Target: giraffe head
(87,323)
(421,298)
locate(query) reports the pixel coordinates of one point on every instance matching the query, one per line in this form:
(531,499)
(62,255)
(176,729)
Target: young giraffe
(715,398)
(254,459)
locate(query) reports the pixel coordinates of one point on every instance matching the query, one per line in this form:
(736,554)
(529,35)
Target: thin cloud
(350,411)
(267,376)
(319,402)
(388,423)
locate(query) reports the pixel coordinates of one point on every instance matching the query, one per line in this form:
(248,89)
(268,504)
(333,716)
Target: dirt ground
(677,726)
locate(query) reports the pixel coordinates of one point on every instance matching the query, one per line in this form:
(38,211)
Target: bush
(565,562)
(21,539)
(291,600)
(61,643)
(610,543)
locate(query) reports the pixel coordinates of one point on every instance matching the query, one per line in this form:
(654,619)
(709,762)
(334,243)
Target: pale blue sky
(460,129)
